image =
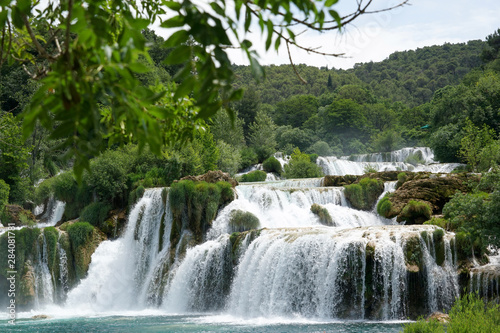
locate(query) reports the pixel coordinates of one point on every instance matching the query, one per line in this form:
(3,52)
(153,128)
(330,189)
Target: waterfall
(63,270)
(399,160)
(44,284)
(53,215)
(122,271)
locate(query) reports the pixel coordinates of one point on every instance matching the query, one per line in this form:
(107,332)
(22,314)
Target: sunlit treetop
(86,55)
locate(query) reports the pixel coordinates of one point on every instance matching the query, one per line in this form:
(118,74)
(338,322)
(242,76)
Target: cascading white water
(44,286)
(63,269)
(123,270)
(54,215)
(393,161)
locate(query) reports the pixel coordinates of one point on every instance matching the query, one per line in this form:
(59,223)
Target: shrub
(254,176)
(323,215)
(364,194)
(402,178)
(422,326)
(415,158)
(240,221)
(438,235)
(95,213)
(300,166)
(416,212)
(440,222)
(65,187)
(313,158)
(79,234)
(369,169)
(43,191)
(272,165)
(321,148)
(4,194)
(384,206)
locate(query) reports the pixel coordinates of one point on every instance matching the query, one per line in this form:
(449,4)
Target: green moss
(254,176)
(416,212)
(323,215)
(79,234)
(164,195)
(384,206)
(364,194)
(440,222)
(413,252)
(197,203)
(162,231)
(243,221)
(402,178)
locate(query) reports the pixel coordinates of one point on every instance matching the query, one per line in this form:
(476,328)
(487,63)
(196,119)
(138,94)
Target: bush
(440,222)
(323,215)
(422,326)
(300,166)
(254,176)
(79,234)
(415,158)
(369,168)
(240,221)
(4,194)
(95,213)
(416,212)
(43,191)
(384,206)
(272,165)
(402,178)
(364,194)
(321,148)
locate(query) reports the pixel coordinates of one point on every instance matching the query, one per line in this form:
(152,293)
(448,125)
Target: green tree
(14,156)
(91,52)
(473,141)
(300,166)
(296,110)
(263,136)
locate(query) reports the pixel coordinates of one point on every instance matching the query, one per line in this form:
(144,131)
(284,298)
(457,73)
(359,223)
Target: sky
(374,37)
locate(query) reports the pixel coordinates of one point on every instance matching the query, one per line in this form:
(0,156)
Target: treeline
(372,107)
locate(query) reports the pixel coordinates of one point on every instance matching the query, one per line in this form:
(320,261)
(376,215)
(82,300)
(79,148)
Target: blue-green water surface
(190,323)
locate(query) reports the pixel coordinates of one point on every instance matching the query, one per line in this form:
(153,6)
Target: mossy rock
(435,192)
(413,254)
(18,216)
(415,212)
(364,195)
(336,181)
(240,221)
(322,214)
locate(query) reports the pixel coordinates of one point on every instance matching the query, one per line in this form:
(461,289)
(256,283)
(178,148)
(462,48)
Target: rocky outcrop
(18,215)
(432,190)
(364,194)
(213,177)
(440,317)
(339,180)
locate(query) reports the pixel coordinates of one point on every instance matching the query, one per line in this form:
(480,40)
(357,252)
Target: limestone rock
(440,317)
(213,177)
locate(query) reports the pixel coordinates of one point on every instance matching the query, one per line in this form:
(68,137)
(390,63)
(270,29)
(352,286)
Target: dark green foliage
(416,212)
(51,236)
(323,215)
(321,148)
(248,157)
(95,213)
(254,176)
(272,165)
(243,221)
(300,166)
(79,234)
(384,206)
(438,235)
(364,194)
(469,314)
(44,190)
(4,194)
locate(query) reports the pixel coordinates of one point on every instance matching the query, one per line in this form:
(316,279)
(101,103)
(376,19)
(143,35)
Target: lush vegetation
(468,314)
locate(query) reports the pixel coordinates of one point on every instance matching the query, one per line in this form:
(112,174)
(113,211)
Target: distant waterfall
(44,286)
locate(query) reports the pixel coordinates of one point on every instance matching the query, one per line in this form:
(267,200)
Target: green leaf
(139,67)
(185,88)
(329,3)
(24,6)
(177,38)
(179,55)
(174,22)
(336,16)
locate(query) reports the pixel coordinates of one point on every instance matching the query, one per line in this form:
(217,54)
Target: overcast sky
(375,37)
